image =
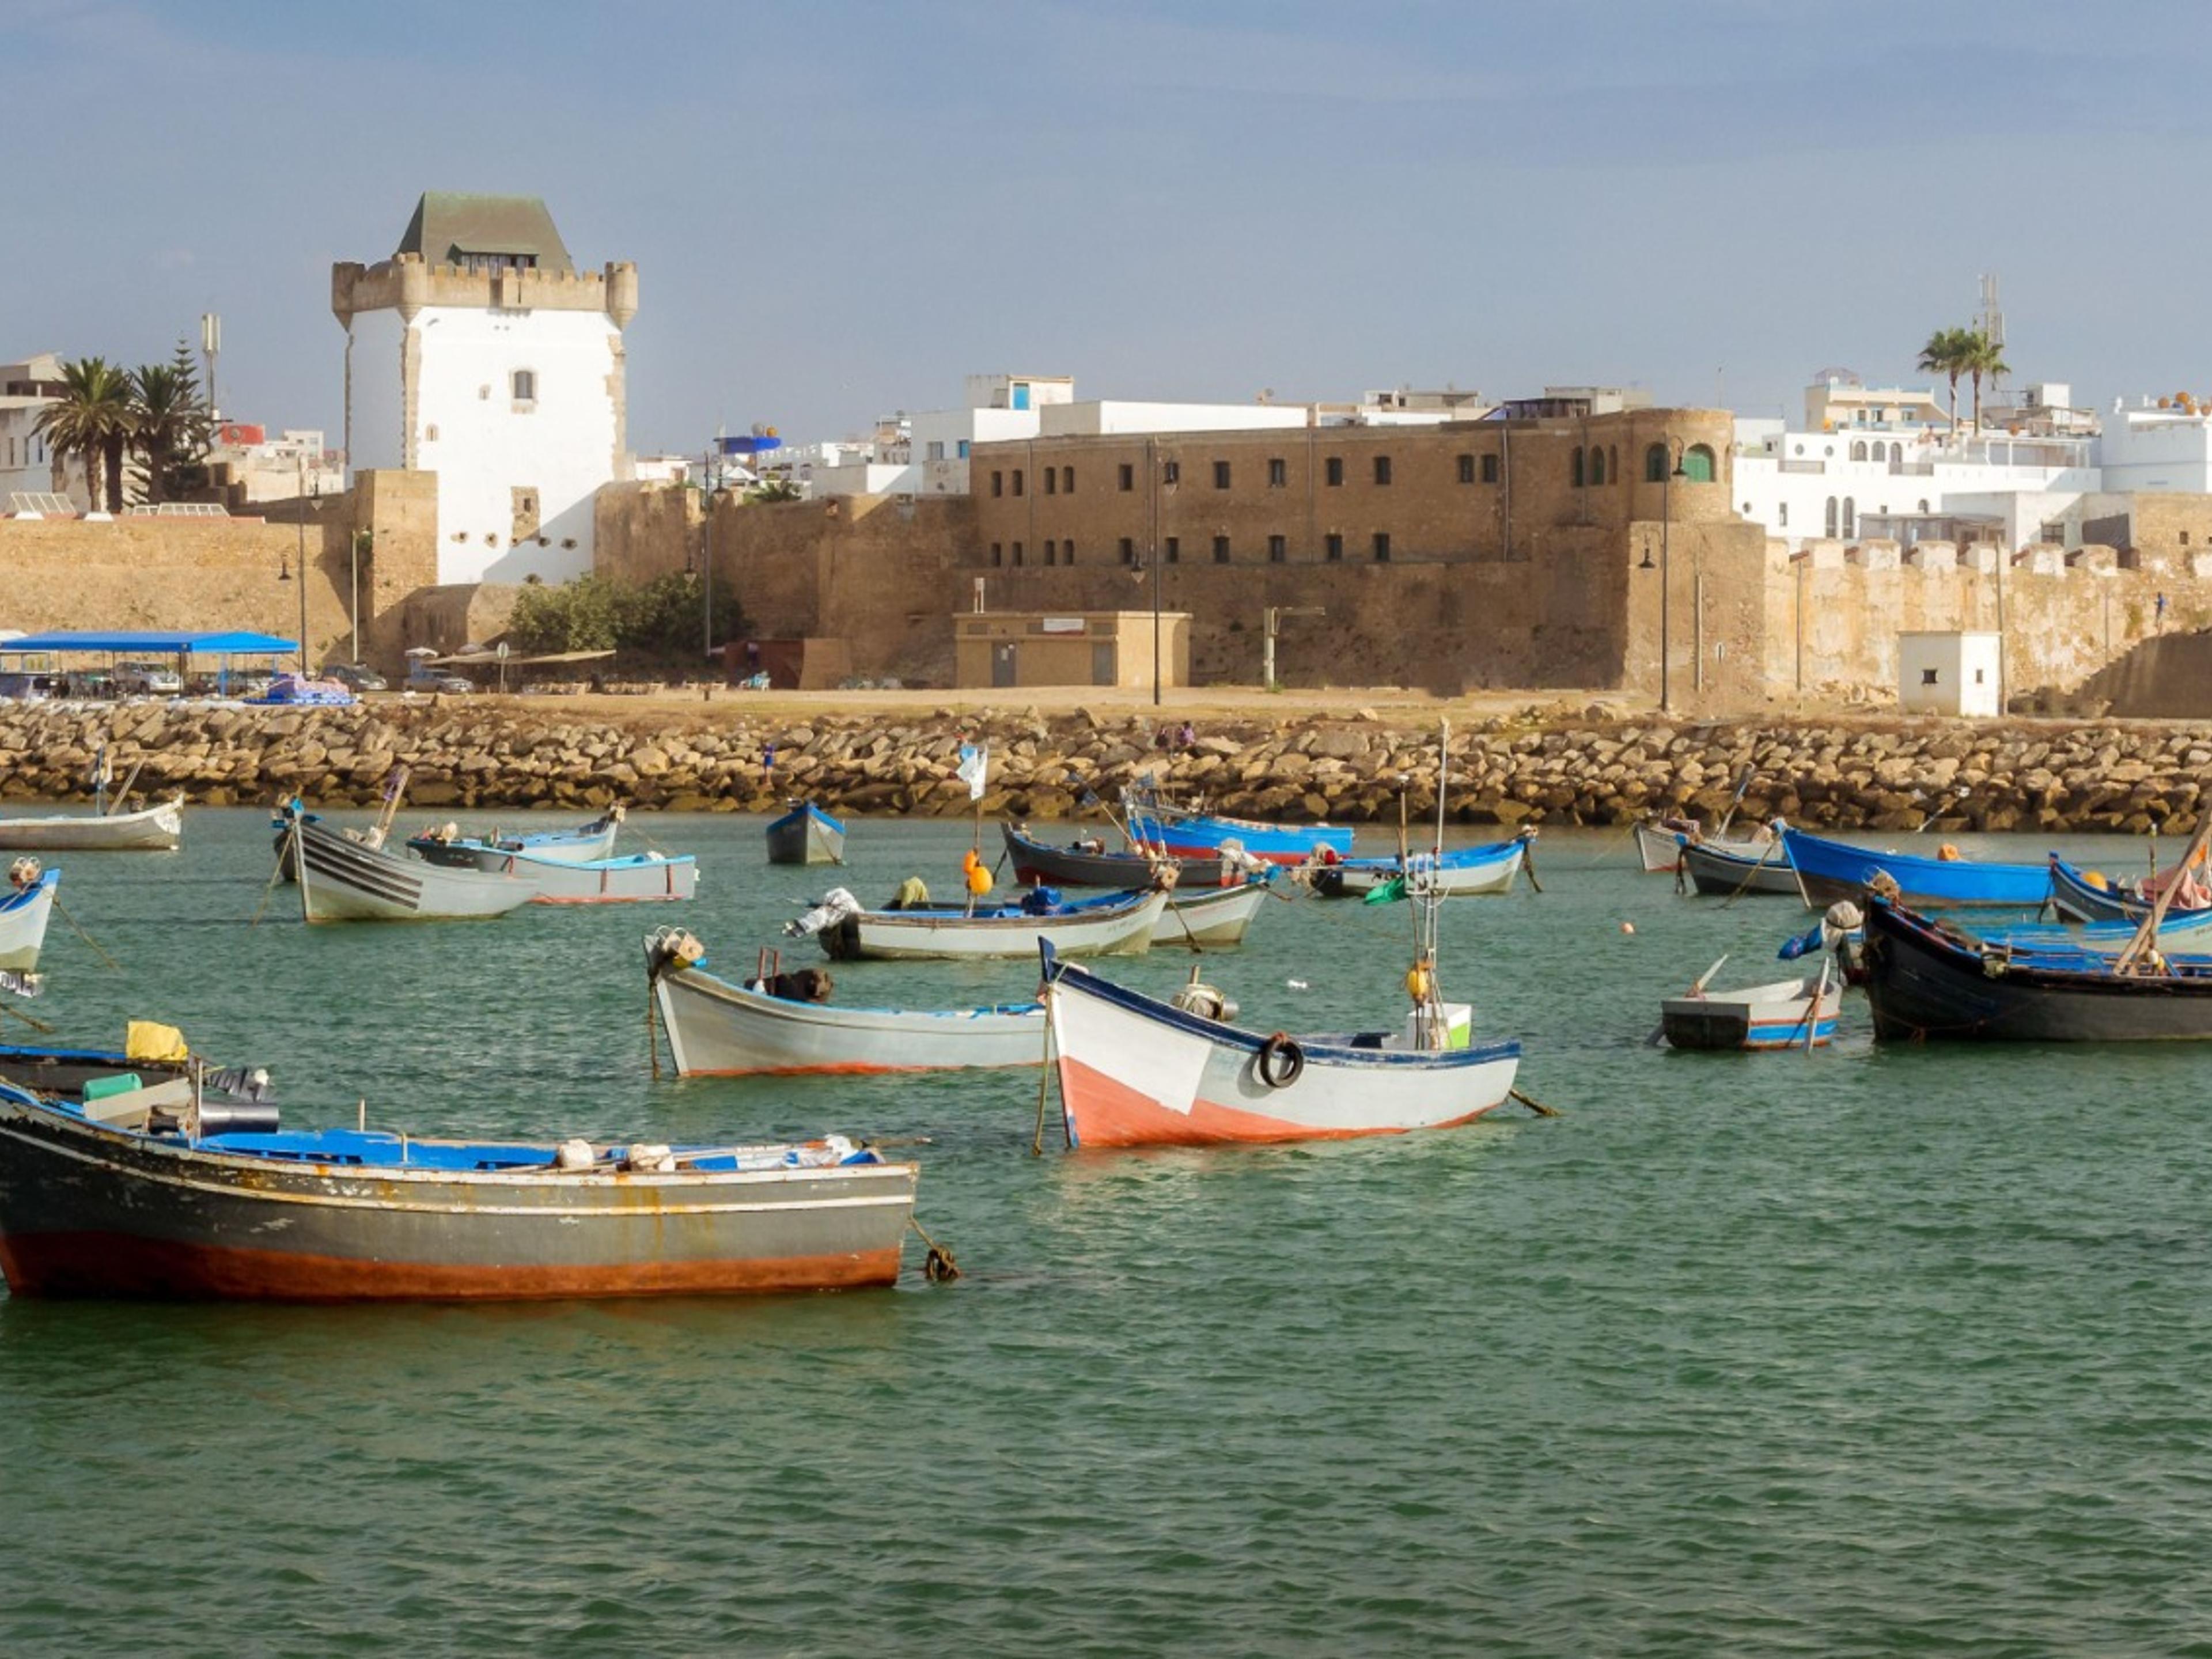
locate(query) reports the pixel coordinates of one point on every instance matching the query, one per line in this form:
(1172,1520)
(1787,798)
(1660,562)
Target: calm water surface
(1858,1352)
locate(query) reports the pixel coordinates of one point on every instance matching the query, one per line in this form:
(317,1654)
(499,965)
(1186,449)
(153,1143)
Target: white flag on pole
(975,762)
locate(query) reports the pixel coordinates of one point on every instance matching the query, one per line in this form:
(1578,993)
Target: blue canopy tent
(142,643)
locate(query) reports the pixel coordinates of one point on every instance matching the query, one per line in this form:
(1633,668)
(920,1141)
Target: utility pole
(1271,618)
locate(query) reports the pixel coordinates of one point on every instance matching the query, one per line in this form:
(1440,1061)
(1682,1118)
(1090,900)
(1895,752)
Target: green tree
(577,615)
(774,490)
(169,420)
(92,420)
(1947,354)
(1982,357)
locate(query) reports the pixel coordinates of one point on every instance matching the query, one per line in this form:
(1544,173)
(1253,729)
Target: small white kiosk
(1948,674)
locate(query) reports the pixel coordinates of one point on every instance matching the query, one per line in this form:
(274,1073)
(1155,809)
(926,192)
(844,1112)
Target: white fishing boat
(149,829)
(590,843)
(1118,924)
(1791,1013)
(1463,871)
(718,1028)
(23,915)
(1211,915)
(641,878)
(342,879)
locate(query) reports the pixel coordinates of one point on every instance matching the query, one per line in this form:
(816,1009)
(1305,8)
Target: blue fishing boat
(590,843)
(1490,868)
(2088,895)
(144,1199)
(806,835)
(1183,832)
(1832,870)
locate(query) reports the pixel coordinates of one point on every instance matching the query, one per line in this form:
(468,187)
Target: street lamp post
(300,518)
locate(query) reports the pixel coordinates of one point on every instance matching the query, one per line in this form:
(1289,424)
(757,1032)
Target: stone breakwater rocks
(1888,773)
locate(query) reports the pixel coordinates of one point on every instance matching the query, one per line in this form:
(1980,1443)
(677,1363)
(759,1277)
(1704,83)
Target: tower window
(525,385)
(1278,473)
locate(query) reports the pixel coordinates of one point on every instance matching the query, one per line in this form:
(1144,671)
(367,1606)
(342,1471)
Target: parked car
(355,677)
(147,679)
(437,679)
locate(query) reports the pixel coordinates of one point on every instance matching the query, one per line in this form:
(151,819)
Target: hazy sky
(839,209)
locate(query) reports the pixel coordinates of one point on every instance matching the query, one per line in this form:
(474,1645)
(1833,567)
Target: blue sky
(840,210)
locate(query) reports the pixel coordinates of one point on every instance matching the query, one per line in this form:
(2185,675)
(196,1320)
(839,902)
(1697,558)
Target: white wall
(25,463)
(2157,452)
(947,475)
(1966,669)
(1094,419)
(378,436)
(483,445)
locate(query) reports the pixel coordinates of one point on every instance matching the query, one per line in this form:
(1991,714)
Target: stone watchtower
(478,352)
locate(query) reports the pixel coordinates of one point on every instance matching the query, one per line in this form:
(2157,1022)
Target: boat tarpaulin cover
(235,644)
(149,1040)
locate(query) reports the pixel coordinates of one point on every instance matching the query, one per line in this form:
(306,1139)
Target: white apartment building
(27,465)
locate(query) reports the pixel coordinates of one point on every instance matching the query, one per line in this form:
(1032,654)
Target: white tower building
(478,352)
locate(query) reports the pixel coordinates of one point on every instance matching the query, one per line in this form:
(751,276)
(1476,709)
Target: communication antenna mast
(1992,319)
(210,347)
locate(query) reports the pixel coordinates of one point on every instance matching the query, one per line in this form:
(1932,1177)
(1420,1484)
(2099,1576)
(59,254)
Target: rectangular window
(997,553)
(1051,481)
(1017,481)
(1221,475)
(1127,476)
(1490,469)
(1278,473)
(1332,549)
(1067,481)
(1466,469)
(1170,471)
(1128,552)
(998,483)
(1781,513)
(1174,550)
(1051,549)
(1018,552)
(964,449)
(1333,470)
(1278,549)
(1068,552)
(1928,676)
(1381,469)
(1382,547)
(937,449)
(1221,549)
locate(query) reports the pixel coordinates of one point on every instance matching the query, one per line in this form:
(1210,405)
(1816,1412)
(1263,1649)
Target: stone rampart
(1587,769)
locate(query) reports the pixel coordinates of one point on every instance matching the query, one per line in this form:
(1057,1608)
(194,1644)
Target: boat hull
(1765,1017)
(1137,1072)
(1834,870)
(1727,872)
(1468,870)
(1035,861)
(86,1212)
(1219,915)
(152,830)
(716,1028)
(1657,847)
(1923,985)
(345,881)
(1123,930)
(592,843)
(1195,835)
(641,878)
(806,835)
(24,917)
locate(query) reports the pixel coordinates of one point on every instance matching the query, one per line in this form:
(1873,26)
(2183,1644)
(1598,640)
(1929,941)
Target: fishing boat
(1834,869)
(590,843)
(1926,981)
(806,835)
(152,1056)
(1137,1072)
(1789,1014)
(24,912)
(1211,915)
(1088,863)
(149,829)
(718,1028)
(1491,868)
(2082,895)
(636,879)
(1186,832)
(150,1204)
(1117,924)
(342,879)
(1729,868)
(1659,841)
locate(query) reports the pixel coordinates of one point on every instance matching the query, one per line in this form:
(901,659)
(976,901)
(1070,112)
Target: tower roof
(450,225)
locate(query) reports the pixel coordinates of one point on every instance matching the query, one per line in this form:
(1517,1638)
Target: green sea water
(1879,1351)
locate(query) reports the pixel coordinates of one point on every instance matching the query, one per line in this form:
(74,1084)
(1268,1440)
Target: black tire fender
(1281,1062)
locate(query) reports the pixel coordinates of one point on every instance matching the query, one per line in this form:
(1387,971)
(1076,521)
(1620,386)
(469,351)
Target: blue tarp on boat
(158,642)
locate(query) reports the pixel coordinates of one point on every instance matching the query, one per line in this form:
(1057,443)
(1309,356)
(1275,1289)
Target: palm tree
(92,420)
(1946,354)
(1983,356)
(169,420)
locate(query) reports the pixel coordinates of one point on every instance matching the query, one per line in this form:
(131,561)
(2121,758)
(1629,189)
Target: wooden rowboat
(1739,868)
(1834,869)
(143,1210)
(641,878)
(2077,897)
(1211,915)
(150,829)
(1462,872)
(590,843)
(1791,1013)
(1091,865)
(1184,832)
(1137,1072)
(716,1028)
(346,880)
(24,912)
